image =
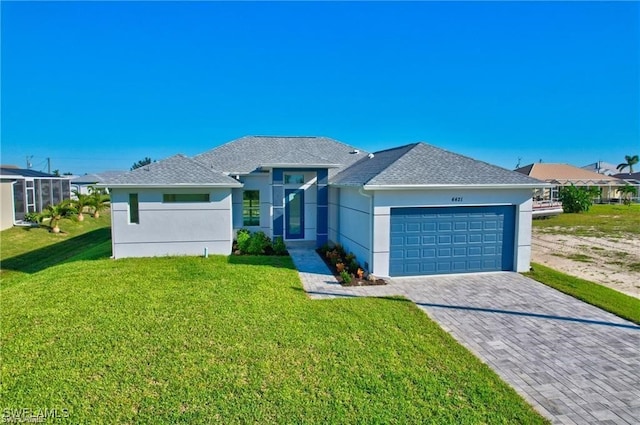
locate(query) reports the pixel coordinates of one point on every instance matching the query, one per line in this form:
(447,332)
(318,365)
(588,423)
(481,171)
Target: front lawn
(231,340)
(615,221)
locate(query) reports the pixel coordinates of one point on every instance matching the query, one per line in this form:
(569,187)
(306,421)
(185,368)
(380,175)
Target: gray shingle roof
(422,164)
(96,177)
(246,154)
(175,170)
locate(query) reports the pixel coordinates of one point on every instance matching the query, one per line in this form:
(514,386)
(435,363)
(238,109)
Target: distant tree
(631,160)
(68,173)
(56,173)
(141,163)
(627,191)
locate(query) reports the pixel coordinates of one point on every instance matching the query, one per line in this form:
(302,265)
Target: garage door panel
(443,240)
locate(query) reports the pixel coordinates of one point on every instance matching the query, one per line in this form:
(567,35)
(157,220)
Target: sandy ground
(604,261)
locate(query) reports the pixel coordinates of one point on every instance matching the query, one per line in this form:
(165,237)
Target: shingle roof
(96,177)
(246,154)
(175,170)
(564,173)
(420,164)
(627,176)
(25,172)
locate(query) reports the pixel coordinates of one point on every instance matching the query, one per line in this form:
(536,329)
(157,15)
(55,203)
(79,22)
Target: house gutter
(168,186)
(456,186)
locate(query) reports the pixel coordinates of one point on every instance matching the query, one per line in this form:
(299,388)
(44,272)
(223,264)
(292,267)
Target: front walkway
(572,361)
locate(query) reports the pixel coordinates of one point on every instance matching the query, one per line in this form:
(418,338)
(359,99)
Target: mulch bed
(355,280)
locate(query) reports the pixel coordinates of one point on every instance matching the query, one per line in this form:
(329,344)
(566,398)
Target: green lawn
(26,250)
(229,340)
(613,221)
(607,299)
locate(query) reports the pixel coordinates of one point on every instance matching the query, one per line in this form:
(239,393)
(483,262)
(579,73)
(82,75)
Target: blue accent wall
(322,225)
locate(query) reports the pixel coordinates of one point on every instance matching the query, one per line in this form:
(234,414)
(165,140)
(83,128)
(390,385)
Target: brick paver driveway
(573,362)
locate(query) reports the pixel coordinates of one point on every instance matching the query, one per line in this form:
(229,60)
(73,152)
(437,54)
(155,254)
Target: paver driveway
(573,362)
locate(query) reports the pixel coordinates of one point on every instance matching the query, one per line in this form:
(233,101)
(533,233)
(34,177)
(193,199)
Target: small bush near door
(258,243)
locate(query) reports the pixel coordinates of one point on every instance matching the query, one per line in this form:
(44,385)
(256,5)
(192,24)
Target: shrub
(354,266)
(244,237)
(576,199)
(32,217)
(279,247)
(258,242)
(346,277)
(340,267)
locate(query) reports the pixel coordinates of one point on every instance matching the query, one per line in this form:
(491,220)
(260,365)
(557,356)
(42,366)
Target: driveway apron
(571,361)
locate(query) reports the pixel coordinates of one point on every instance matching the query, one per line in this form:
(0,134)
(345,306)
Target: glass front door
(294,213)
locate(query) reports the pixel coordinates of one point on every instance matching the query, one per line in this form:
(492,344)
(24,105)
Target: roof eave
(276,165)
(170,185)
(455,186)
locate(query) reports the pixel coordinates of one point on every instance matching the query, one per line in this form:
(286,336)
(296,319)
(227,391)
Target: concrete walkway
(573,362)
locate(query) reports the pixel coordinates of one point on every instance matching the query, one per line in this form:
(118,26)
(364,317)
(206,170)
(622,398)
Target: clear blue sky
(98,86)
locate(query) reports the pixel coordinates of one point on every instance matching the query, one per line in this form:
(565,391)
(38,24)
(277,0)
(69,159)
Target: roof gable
(249,153)
(421,164)
(175,170)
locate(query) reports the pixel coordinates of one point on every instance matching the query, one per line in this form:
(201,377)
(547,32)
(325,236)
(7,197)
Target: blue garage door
(451,240)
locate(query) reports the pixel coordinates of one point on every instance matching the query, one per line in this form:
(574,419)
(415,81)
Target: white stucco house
(411,210)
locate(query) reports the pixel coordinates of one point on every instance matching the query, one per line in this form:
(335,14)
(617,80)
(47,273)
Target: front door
(294,213)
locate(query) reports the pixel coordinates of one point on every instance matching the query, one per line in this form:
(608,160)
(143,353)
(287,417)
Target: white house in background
(412,210)
(601,167)
(83,183)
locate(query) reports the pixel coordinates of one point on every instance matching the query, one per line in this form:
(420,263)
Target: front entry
(294,213)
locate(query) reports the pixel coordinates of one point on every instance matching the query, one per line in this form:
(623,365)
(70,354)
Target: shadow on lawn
(262,260)
(82,247)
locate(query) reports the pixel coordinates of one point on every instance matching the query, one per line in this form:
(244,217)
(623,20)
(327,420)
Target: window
(185,197)
(134,216)
(294,179)
(251,208)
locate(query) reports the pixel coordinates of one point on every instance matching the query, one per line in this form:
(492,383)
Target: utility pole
(49,165)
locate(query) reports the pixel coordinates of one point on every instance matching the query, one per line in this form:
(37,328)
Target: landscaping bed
(346,268)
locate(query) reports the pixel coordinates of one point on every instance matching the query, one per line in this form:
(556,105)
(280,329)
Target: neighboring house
(633,179)
(25,191)
(559,175)
(412,210)
(82,183)
(601,167)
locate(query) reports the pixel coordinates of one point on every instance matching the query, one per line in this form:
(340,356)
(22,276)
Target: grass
(600,296)
(27,250)
(229,340)
(616,221)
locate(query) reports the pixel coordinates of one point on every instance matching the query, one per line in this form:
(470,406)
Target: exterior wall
(353,224)
(383,201)
(171,228)
(262,183)
(6,204)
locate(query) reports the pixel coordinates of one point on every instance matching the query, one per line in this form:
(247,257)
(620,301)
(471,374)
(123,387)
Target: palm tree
(98,200)
(631,161)
(55,213)
(81,201)
(627,191)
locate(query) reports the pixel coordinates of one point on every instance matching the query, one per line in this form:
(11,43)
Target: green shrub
(346,277)
(354,266)
(32,217)
(244,237)
(577,199)
(279,247)
(258,243)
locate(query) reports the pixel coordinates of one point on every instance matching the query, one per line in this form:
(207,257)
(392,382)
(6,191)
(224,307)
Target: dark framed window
(185,197)
(134,214)
(251,208)
(294,179)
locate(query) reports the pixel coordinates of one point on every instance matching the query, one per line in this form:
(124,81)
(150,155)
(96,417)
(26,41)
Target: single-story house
(411,210)
(633,179)
(25,190)
(601,167)
(81,184)
(559,175)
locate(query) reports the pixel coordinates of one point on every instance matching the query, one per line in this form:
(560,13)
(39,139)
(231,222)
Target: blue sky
(98,86)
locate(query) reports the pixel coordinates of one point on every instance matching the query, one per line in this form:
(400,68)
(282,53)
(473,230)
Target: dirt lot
(611,262)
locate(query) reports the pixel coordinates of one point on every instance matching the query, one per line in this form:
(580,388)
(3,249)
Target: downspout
(371,226)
